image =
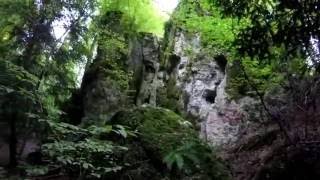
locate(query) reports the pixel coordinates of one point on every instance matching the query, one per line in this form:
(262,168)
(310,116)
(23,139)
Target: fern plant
(195,159)
(183,157)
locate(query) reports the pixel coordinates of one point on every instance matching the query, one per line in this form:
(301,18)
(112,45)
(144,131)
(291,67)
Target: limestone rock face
(202,80)
(239,128)
(103,91)
(106,77)
(145,56)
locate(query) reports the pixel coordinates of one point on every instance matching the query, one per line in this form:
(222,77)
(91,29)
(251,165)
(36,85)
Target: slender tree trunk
(13,141)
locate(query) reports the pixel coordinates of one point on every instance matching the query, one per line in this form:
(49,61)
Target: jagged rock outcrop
(239,127)
(104,90)
(144,59)
(193,83)
(106,78)
(279,146)
(202,80)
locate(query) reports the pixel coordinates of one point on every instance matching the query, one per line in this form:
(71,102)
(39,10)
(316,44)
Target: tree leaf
(179,161)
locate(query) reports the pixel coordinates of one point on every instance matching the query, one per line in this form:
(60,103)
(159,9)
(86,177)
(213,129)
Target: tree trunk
(13,141)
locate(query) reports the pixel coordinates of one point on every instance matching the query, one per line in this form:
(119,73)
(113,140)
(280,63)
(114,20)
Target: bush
(84,153)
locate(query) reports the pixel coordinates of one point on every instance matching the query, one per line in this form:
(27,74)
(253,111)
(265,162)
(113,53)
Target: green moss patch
(170,140)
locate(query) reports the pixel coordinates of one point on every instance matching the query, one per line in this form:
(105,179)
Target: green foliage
(138,15)
(195,158)
(277,40)
(169,97)
(173,141)
(37,74)
(35,170)
(218,37)
(119,74)
(180,156)
(90,157)
(163,130)
(160,129)
(112,51)
(217,32)
(274,23)
(14,16)
(85,152)
(262,76)
(63,131)
(24,82)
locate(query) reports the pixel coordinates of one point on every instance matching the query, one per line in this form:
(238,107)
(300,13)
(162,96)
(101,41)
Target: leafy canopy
(217,32)
(275,23)
(138,15)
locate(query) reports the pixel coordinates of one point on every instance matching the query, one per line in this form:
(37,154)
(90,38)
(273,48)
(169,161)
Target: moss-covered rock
(169,97)
(170,140)
(160,129)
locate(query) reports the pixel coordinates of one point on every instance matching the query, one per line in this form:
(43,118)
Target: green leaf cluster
(85,152)
(173,141)
(137,15)
(217,32)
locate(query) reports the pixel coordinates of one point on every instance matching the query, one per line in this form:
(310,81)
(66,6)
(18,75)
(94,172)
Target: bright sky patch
(166,7)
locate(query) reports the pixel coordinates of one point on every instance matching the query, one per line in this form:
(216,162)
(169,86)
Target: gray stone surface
(102,98)
(148,73)
(202,79)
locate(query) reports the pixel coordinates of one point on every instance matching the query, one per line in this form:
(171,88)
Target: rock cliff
(179,74)
(202,81)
